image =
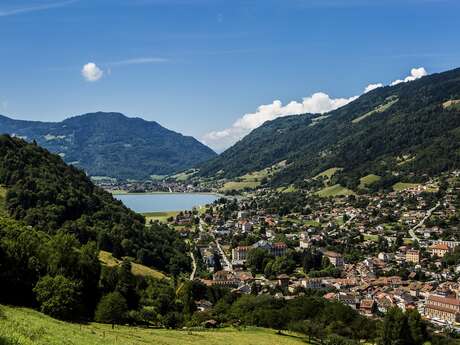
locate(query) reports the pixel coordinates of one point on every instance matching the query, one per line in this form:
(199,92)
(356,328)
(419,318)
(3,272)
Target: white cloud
(371,87)
(34,8)
(415,73)
(91,72)
(138,61)
(318,103)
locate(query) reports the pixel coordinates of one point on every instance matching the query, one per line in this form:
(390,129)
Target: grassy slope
(20,326)
(368,180)
(107,259)
(402,186)
(160,216)
(335,190)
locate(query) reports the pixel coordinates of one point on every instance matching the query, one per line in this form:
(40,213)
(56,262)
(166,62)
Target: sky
(214,69)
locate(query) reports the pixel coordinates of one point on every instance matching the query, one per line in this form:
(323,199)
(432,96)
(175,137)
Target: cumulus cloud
(318,103)
(415,73)
(91,72)
(371,87)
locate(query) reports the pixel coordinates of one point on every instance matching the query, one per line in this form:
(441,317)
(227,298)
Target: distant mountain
(410,129)
(111,144)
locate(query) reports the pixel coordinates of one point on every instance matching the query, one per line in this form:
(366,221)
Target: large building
(440,249)
(240,254)
(444,308)
(335,258)
(413,256)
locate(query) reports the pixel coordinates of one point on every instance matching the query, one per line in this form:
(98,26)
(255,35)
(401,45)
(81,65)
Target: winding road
(428,215)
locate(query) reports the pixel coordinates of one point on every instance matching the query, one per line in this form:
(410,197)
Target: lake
(163,202)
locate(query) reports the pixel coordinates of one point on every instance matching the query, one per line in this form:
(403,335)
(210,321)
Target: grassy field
(335,190)
(239,185)
(20,326)
(368,180)
(107,259)
(402,186)
(160,216)
(327,173)
(380,109)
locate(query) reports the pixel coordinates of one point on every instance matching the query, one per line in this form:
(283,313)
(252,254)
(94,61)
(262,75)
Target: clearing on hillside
(380,109)
(397,187)
(21,326)
(367,180)
(335,190)
(160,216)
(108,260)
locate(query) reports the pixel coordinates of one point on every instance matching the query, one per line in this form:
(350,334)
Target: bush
(112,308)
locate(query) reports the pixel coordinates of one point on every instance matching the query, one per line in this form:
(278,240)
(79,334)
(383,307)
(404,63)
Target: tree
(257,259)
(112,308)
(58,297)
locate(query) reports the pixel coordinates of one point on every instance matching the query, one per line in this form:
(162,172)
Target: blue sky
(197,66)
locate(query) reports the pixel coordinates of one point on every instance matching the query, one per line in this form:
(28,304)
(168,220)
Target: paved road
(192,275)
(428,215)
(227,264)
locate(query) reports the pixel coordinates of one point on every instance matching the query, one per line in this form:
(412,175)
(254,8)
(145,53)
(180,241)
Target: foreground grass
(20,326)
(107,259)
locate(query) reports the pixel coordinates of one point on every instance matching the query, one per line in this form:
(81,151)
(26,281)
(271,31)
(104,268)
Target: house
(413,256)
(279,249)
(367,306)
(336,259)
(444,308)
(439,249)
(312,283)
(225,279)
(283,280)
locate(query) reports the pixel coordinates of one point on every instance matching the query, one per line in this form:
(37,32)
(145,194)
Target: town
(369,251)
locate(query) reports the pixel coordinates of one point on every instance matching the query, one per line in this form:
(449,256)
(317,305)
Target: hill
(113,145)
(394,132)
(53,224)
(22,326)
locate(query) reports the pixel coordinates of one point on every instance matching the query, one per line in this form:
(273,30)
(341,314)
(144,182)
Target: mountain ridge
(367,135)
(112,144)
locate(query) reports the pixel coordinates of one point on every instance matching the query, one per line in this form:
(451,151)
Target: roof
(440,246)
(332,254)
(445,300)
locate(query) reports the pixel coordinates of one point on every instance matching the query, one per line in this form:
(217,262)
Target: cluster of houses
(407,271)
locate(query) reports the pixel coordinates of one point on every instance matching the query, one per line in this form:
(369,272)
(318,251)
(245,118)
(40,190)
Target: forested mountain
(54,222)
(111,144)
(409,129)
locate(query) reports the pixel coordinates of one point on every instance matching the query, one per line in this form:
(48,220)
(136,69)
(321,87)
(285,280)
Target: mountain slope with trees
(111,144)
(406,130)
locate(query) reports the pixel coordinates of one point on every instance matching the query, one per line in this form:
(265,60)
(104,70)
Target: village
(369,251)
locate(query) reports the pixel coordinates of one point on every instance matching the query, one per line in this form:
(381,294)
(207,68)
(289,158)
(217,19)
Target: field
(402,186)
(335,190)
(380,109)
(160,216)
(239,185)
(327,173)
(368,180)
(20,326)
(107,259)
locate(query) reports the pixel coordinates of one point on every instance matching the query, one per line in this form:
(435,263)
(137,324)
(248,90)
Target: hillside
(21,326)
(111,144)
(396,132)
(53,224)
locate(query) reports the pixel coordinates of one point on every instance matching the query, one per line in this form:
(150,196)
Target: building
(279,249)
(413,256)
(240,254)
(335,258)
(444,308)
(367,306)
(225,278)
(439,249)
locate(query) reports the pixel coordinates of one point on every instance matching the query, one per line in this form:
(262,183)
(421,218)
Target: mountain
(111,144)
(402,131)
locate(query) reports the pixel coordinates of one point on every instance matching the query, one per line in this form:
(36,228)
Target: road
(192,275)
(228,265)
(428,215)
